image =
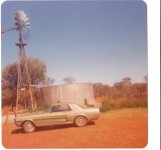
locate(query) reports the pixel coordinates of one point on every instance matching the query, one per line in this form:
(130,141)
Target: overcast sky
(94,41)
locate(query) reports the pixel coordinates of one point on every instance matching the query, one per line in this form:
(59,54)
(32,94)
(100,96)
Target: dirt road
(125,128)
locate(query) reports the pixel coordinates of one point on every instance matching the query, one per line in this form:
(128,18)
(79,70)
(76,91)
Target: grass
(131,103)
(117,113)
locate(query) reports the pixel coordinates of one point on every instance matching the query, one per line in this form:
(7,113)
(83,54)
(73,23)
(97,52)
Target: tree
(9,76)
(9,84)
(37,71)
(121,90)
(140,89)
(48,81)
(126,81)
(101,91)
(68,80)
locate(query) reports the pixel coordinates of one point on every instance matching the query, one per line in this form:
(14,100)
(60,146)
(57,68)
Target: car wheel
(81,121)
(28,127)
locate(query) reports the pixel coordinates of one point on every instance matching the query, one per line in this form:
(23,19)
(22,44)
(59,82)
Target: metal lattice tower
(24,91)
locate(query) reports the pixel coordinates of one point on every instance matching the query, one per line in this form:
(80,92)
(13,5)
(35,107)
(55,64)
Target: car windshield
(48,109)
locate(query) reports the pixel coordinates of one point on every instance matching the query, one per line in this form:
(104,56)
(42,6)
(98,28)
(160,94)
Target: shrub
(120,104)
(133,104)
(105,106)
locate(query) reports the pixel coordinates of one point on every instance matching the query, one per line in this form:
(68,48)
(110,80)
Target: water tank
(81,93)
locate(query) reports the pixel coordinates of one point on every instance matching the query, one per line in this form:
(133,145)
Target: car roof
(63,103)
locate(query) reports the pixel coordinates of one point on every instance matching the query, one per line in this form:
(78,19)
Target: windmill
(24,91)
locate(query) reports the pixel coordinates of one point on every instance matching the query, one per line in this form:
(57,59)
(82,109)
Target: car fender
(81,115)
(28,120)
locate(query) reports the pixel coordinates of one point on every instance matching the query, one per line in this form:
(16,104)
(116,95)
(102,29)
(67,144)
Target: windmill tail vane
(22,25)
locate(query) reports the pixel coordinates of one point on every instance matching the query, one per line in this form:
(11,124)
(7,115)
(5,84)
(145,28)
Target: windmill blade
(21,19)
(22,24)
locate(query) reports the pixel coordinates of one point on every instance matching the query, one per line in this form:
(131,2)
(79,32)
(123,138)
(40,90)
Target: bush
(130,103)
(133,104)
(105,106)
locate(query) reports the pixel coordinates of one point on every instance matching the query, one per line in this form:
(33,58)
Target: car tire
(81,121)
(28,127)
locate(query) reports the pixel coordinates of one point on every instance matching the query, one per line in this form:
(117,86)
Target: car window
(60,108)
(55,108)
(64,107)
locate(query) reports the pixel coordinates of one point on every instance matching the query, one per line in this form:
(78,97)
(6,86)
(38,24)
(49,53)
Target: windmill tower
(24,91)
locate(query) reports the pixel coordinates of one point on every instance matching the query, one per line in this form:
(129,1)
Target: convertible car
(57,114)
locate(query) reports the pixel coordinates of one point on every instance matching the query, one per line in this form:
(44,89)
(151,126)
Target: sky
(91,41)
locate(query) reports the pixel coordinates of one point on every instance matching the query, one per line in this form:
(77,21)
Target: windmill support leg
(24,90)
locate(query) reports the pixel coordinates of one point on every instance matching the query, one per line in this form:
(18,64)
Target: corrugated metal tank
(80,93)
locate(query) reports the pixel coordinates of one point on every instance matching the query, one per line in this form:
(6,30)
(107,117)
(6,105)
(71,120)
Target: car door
(70,114)
(55,115)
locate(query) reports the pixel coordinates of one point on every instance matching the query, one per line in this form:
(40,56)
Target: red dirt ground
(127,128)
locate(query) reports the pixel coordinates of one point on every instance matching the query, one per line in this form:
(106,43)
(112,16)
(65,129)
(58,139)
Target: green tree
(38,75)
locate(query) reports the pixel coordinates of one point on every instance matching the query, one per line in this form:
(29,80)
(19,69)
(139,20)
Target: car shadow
(50,127)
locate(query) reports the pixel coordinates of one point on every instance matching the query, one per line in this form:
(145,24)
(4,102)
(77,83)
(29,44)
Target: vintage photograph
(74,74)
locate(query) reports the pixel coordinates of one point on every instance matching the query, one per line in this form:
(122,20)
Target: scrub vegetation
(122,94)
